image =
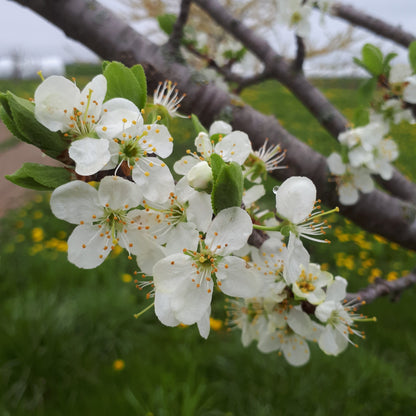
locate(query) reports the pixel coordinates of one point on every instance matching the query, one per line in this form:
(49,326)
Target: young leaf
(166,22)
(227,188)
(367,90)
(40,177)
(386,62)
(361,116)
(412,55)
(197,125)
(138,72)
(124,82)
(372,58)
(31,131)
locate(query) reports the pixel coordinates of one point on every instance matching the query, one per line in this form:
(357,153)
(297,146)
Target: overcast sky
(26,33)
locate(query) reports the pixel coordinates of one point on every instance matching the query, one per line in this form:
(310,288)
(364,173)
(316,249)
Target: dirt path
(11,159)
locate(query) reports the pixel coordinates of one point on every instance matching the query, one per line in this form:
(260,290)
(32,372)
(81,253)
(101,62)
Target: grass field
(69,344)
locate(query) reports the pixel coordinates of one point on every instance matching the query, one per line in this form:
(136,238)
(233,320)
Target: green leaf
(412,55)
(28,129)
(386,63)
(9,123)
(361,117)
(367,89)
(40,177)
(372,58)
(124,82)
(138,72)
(166,22)
(227,188)
(199,128)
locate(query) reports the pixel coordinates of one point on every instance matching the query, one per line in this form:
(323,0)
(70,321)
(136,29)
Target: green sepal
(285,230)
(166,22)
(26,128)
(412,55)
(227,186)
(40,177)
(124,82)
(199,128)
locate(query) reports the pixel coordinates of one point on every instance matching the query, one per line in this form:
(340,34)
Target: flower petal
(90,155)
(119,193)
(235,147)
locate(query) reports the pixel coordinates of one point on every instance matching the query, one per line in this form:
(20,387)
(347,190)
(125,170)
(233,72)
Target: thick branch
(382,287)
(326,114)
(378,26)
(110,37)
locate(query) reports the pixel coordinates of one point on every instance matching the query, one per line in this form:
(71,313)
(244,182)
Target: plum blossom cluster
(202,235)
(365,151)
(296,14)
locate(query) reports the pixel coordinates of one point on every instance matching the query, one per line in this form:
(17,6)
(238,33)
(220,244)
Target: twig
(378,26)
(176,36)
(297,64)
(381,287)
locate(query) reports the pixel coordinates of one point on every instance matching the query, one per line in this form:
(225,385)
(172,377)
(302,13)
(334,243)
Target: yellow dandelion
(215,324)
(37,215)
(126,278)
(118,365)
(37,234)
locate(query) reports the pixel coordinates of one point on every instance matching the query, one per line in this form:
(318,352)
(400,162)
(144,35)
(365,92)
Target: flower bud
(200,176)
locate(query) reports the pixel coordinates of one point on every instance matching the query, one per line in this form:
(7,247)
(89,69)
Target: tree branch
(176,36)
(326,114)
(112,38)
(382,287)
(297,64)
(378,26)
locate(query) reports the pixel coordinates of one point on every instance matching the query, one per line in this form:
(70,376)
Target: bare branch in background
(326,114)
(178,28)
(378,26)
(297,64)
(381,287)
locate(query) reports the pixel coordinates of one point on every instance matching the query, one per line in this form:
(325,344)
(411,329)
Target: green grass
(62,328)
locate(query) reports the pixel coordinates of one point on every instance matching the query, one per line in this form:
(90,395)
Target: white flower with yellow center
(140,146)
(232,146)
(339,319)
(83,118)
(105,218)
(184,281)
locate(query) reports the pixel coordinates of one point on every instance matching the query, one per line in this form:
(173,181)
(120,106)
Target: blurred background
(69,344)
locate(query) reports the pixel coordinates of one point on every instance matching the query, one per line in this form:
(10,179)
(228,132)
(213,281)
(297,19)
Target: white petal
(86,248)
(296,351)
(236,278)
(229,230)
(409,92)
(300,322)
(199,210)
(163,310)
(185,164)
(183,235)
(337,290)
(235,147)
(161,140)
(253,194)
(76,201)
(269,342)
(297,259)
(219,127)
(335,164)
(203,145)
(363,181)
(331,342)
(154,178)
(204,325)
(119,193)
(53,96)
(98,88)
(295,198)
(90,155)
(348,194)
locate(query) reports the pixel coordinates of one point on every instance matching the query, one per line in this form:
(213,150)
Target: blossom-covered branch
(378,26)
(113,39)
